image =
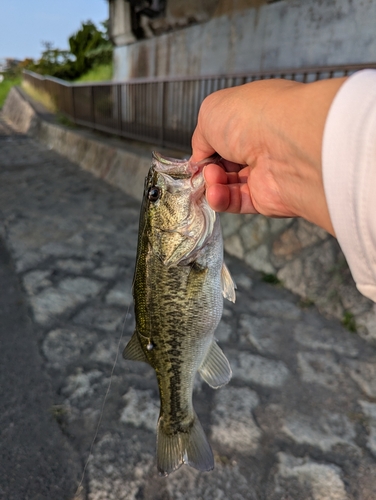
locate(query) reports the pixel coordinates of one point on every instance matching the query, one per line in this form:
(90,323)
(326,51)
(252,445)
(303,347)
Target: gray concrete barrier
(121,167)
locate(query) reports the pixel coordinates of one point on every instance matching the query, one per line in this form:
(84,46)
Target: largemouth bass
(178,284)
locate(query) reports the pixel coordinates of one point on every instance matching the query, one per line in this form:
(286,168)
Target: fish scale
(178,285)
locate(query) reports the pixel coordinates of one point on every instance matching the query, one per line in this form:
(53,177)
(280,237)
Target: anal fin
(215,369)
(133,350)
(228,285)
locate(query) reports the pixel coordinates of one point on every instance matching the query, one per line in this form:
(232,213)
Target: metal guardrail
(161,111)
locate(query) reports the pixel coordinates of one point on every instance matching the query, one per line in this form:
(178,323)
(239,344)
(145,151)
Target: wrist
(296,117)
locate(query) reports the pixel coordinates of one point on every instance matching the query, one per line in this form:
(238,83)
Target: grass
(40,96)
(348,321)
(5,87)
(306,302)
(64,120)
(271,278)
(100,73)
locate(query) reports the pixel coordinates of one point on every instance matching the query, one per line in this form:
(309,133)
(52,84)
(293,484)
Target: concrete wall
(287,33)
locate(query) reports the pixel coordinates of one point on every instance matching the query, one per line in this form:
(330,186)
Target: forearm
(296,118)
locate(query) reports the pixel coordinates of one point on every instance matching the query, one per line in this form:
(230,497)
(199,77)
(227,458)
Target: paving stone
(299,478)
(223,483)
(233,246)
(368,320)
(52,302)
(355,302)
(321,369)
(323,431)
(254,232)
(69,293)
(120,295)
(242,281)
(223,331)
(99,316)
(262,333)
(286,246)
(259,259)
(64,346)
(106,351)
(300,235)
(364,374)
(141,409)
(35,281)
(282,309)
(116,470)
(232,422)
(278,224)
(292,276)
(230,225)
(258,370)
(84,392)
(27,260)
(83,287)
(369,409)
(319,337)
(66,249)
(74,266)
(107,272)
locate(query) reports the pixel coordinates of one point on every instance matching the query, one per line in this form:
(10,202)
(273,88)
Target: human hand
(269,133)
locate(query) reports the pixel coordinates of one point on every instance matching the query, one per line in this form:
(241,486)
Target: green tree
(87,47)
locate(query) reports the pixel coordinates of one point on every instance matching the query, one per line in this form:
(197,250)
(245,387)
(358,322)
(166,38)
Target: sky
(25,24)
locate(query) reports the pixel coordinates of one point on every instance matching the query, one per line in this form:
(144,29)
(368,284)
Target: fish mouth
(182,168)
(175,168)
(166,160)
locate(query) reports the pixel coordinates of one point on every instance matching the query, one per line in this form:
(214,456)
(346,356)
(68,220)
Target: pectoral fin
(228,285)
(133,350)
(215,369)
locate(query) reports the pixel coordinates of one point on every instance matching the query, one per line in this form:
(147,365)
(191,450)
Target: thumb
(201,148)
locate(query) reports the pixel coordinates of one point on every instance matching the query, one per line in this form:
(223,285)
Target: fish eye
(154,193)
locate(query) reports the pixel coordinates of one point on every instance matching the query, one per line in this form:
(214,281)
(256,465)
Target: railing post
(162,101)
(73,107)
(92,104)
(119,107)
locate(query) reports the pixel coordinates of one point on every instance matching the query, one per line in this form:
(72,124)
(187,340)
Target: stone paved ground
(298,419)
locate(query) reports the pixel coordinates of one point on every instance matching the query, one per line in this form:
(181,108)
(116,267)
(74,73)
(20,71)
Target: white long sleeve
(349,173)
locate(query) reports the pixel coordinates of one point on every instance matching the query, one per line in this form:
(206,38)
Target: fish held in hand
(179,281)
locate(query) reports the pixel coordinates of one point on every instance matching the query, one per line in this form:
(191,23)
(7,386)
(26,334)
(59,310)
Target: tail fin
(189,447)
